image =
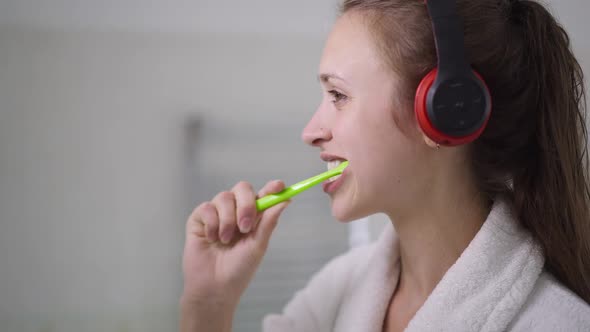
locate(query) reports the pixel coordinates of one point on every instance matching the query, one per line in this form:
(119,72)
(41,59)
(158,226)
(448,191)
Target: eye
(338,97)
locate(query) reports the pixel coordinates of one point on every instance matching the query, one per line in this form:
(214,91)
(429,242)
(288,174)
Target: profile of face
(388,166)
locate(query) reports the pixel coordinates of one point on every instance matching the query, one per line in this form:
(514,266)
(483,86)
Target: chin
(346,212)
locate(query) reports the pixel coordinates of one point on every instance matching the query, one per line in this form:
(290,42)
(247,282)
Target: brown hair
(534,147)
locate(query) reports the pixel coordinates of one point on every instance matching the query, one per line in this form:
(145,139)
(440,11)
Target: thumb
(268,223)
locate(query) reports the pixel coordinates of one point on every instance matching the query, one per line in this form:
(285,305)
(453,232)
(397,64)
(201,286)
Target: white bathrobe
(497,284)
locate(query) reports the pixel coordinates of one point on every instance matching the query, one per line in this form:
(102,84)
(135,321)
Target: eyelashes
(337,97)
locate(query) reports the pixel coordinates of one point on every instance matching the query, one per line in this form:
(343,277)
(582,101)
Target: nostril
(316,141)
(308,138)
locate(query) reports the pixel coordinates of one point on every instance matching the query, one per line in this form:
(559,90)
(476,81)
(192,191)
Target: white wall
(98,170)
(94,170)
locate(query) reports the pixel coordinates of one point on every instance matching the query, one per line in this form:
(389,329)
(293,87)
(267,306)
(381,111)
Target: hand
(226,239)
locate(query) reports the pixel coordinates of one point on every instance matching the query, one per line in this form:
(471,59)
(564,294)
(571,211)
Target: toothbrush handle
(274,199)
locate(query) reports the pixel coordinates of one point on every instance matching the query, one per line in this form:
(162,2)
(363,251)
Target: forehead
(350,47)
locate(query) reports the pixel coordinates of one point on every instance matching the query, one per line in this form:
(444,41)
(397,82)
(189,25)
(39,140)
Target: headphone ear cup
(421,111)
(426,124)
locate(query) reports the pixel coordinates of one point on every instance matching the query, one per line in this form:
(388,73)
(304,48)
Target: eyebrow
(325,77)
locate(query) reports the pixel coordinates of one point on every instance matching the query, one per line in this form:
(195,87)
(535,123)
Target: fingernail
(226,236)
(246,224)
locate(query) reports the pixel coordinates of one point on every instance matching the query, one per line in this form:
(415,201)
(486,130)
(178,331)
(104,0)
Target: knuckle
(273,185)
(199,211)
(209,214)
(243,185)
(262,192)
(206,207)
(225,195)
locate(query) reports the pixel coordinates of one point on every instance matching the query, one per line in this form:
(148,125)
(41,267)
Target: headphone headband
(447,27)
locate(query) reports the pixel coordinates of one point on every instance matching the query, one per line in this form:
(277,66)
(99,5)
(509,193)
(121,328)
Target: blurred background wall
(118,117)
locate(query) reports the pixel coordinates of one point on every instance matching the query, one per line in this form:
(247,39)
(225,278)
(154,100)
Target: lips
(331,165)
(333,183)
(327,157)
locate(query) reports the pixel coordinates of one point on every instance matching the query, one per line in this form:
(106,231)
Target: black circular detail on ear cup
(458,106)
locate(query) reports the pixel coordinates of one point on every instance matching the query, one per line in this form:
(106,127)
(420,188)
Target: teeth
(333,164)
(334,178)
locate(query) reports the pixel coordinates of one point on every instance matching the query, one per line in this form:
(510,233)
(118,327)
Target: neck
(433,238)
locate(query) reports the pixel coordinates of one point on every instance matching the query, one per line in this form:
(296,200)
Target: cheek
(388,159)
(378,133)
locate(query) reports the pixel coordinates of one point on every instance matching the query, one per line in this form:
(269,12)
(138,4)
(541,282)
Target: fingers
(245,206)
(234,211)
(269,217)
(195,225)
(271,187)
(202,220)
(268,223)
(225,202)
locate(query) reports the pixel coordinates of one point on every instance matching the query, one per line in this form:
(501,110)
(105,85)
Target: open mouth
(331,165)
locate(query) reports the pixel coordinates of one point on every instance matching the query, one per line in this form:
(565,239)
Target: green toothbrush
(274,199)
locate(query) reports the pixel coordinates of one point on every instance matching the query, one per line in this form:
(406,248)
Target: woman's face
(355,122)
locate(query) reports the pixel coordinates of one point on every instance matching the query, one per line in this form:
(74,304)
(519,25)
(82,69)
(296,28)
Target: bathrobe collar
(482,291)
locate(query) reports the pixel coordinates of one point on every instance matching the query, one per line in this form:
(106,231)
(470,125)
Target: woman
(491,235)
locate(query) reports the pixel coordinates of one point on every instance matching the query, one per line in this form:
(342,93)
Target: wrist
(206,314)
(210,303)
(217,296)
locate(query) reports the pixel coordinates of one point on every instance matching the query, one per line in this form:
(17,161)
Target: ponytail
(551,193)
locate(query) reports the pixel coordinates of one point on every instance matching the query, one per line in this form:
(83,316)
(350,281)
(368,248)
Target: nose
(317,130)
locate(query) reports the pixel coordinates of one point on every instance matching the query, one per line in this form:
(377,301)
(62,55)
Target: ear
(429,142)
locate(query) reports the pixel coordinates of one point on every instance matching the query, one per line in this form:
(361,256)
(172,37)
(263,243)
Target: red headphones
(452,102)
